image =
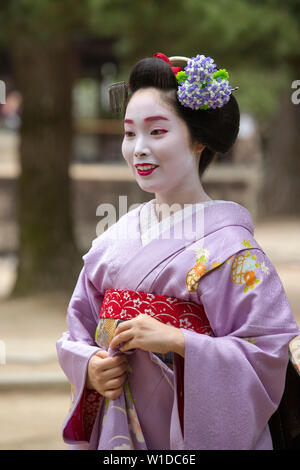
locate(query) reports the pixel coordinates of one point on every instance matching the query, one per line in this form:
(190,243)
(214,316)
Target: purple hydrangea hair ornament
(201,85)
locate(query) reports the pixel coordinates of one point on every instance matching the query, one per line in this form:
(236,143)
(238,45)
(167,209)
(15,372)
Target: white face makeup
(155,135)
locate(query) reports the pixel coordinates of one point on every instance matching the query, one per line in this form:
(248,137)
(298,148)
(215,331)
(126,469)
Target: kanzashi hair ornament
(118,95)
(166,59)
(205,87)
(201,85)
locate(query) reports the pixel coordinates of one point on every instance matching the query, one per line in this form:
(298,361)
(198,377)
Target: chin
(151,185)
(148,188)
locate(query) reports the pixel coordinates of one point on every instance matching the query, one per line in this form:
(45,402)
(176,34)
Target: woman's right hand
(107,375)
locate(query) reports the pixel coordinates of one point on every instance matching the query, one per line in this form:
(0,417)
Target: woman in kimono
(179,325)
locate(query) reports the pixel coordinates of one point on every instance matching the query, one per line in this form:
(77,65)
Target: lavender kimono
(233,381)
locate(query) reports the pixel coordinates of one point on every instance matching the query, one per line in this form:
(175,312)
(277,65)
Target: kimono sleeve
(234,381)
(74,350)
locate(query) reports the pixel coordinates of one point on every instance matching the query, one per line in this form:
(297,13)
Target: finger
(122,337)
(115,372)
(124,325)
(132,344)
(116,383)
(113,394)
(111,362)
(102,353)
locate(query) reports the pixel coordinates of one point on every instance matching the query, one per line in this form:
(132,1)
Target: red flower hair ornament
(166,59)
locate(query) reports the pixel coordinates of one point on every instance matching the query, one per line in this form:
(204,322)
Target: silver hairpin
(118,95)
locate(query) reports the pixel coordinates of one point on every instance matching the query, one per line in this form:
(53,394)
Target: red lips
(145,172)
(145,164)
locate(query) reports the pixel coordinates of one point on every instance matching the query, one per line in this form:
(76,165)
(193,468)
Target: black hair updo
(217,129)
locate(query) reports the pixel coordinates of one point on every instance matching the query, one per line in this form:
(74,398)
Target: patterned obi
(120,305)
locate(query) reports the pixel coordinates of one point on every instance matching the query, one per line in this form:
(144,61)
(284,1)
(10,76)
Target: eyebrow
(150,118)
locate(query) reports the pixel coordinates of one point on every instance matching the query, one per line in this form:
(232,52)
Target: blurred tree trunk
(281,194)
(48,258)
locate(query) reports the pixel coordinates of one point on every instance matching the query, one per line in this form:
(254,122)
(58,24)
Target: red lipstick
(147,171)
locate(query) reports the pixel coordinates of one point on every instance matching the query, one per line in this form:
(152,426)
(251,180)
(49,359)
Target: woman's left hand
(149,334)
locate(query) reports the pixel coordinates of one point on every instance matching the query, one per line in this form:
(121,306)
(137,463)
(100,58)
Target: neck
(165,203)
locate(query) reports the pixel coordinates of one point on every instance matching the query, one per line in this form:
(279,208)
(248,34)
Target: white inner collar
(151,227)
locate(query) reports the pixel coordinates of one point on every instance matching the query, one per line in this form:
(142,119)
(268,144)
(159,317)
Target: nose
(140,154)
(141,148)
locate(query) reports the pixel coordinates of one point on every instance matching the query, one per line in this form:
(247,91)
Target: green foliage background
(257,41)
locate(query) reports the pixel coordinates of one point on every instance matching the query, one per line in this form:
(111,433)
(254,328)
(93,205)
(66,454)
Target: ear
(198,148)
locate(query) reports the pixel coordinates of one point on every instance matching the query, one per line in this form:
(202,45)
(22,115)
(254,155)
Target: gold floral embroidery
(246,243)
(250,278)
(243,269)
(194,275)
(216,264)
(251,340)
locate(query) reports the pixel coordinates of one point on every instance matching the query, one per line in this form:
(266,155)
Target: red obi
(121,304)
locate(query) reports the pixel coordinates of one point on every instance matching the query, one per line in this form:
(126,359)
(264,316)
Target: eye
(162,131)
(128,133)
